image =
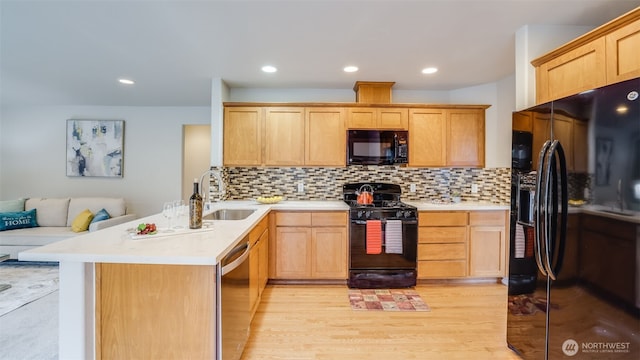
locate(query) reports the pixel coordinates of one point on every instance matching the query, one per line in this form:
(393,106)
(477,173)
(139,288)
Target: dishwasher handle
(227,268)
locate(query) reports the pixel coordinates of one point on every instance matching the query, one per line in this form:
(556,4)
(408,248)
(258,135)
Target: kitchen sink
(229,214)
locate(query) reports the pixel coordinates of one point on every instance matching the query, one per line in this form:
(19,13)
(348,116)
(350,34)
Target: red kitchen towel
(374,237)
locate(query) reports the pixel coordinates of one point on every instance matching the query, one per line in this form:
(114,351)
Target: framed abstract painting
(95,148)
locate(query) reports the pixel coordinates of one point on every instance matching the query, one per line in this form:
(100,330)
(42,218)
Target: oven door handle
(364,222)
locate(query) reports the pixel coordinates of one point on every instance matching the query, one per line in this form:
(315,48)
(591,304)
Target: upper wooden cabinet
(446,137)
(306,135)
(284,136)
(243,136)
(377,118)
(325,136)
(604,56)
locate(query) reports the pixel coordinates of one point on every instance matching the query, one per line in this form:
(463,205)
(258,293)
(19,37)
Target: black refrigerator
(574,254)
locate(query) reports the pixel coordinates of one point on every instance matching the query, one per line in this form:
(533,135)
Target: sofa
(33,222)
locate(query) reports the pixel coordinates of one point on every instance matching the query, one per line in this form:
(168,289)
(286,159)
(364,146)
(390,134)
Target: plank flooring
(316,322)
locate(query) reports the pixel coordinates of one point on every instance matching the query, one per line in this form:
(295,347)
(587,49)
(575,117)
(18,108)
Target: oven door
(360,260)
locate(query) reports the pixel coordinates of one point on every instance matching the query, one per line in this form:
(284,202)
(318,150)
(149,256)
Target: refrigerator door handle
(553,270)
(540,208)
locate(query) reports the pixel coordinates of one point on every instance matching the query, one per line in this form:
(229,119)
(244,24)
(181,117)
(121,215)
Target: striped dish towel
(374,237)
(519,242)
(393,237)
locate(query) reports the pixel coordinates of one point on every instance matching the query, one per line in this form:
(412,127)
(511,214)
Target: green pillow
(12,205)
(18,220)
(101,215)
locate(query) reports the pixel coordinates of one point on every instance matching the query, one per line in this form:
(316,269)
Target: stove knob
(399,214)
(407,214)
(368,214)
(360,214)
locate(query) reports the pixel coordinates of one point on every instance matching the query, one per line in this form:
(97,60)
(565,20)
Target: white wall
(33,143)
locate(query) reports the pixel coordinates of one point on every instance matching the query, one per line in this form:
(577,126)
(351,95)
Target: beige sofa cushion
(49,211)
(114,206)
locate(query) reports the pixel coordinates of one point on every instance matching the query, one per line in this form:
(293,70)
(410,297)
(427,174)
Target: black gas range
(393,225)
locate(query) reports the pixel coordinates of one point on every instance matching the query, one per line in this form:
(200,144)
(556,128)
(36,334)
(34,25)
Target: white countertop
(461,206)
(604,211)
(185,247)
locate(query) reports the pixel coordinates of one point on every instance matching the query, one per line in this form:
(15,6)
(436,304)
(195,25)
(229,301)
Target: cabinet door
(329,249)
(465,137)
(325,138)
(263,262)
(242,136)
(563,131)
(392,118)
(541,131)
(293,253)
(427,137)
(578,70)
(522,121)
(254,281)
(486,251)
(361,118)
(284,136)
(623,53)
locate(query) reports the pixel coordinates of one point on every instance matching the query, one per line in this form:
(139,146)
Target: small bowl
(269,199)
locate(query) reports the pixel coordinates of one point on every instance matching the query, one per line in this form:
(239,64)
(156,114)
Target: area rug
(29,282)
(386,300)
(527,304)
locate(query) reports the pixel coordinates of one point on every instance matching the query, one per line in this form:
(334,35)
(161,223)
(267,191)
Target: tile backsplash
(325,183)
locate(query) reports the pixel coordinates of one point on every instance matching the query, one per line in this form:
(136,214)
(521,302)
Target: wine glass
(180,212)
(168,211)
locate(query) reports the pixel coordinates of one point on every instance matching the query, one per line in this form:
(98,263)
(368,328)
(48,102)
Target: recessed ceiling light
(429,70)
(126,81)
(269,69)
(350,68)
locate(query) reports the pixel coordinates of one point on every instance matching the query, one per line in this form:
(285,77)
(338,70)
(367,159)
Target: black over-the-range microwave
(377,147)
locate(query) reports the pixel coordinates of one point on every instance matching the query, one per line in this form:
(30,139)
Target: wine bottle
(195,207)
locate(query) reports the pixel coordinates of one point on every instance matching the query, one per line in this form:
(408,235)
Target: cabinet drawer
(442,234)
(293,219)
(442,269)
(487,218)
(257,231)
(442,251)
(442,218)
(329,219)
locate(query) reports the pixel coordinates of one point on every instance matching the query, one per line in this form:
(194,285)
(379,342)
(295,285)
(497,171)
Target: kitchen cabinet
(446,137)
(284,136)
(580,69)
(461,244)
(427,137)
(605,238)
(603,56)
(487,241)
(377,118)
(258,263)
(442,244)
(242,143)
(129,299)
(309,246)
(325,136)
(465,138)
(623,54)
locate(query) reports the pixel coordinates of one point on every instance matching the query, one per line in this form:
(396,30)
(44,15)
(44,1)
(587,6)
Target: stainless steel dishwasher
(233,313)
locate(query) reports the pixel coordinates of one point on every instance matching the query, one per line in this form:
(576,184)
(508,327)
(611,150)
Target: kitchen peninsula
(104,270)
(174,276)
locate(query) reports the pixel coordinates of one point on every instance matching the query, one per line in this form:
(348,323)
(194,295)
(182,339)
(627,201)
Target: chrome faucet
(221,187)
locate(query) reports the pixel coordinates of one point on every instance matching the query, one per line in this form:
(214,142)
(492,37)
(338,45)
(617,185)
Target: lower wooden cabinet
(309,245)
(258,263)
(460,244)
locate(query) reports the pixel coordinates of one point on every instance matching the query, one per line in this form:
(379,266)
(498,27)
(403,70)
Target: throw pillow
(12,205)
(101,215)
(18,220)
(82,221)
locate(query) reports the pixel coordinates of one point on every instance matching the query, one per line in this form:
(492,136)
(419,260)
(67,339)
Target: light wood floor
(316,322)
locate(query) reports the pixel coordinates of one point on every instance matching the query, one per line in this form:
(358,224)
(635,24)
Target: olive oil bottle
(195,207)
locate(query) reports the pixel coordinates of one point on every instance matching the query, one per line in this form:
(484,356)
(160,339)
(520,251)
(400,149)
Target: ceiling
(56,52)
